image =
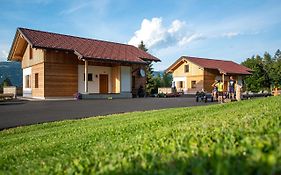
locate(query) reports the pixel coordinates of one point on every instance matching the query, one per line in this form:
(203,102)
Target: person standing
(220,91)
(231,87)
(215,90)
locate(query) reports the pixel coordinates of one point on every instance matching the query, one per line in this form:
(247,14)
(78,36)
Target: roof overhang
(108,60)
(150,60)
(176,64)
(18,47)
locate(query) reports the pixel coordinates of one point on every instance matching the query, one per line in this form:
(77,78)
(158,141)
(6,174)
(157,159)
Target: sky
(222,29)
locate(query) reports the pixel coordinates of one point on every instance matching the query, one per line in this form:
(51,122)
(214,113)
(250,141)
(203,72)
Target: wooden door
(103,83)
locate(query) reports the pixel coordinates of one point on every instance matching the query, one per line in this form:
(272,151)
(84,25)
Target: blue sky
(224,29)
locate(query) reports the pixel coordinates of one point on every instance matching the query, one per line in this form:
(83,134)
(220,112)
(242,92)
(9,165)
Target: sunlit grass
(235,138)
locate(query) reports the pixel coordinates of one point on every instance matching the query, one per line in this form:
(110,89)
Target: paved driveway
(32,112)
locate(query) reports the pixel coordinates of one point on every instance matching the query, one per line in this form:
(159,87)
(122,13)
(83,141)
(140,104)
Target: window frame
(27,82)
(30,53)
(186,68)
(90,77)
(180,84)
(193,84)
(36,80)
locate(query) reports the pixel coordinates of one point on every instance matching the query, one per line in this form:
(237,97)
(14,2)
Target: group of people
(218,91)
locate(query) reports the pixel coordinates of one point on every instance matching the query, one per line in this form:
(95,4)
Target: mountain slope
(11,70)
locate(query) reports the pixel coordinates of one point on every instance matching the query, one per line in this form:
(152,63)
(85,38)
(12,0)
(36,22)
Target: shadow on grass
(193,165)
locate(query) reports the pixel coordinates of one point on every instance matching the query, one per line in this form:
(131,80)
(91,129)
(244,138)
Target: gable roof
(84,48)
(227,67)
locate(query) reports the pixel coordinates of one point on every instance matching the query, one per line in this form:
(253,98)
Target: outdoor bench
(8,96)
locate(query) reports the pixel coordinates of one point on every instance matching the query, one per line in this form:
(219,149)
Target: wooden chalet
(192,74)
(56,65)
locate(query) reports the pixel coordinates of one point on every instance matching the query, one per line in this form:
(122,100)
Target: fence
(164,90)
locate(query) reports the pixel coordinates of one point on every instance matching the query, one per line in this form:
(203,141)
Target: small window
(36,80)
(133,82)
(27,81)
(193,84)
(90,77)
(30,52)
(181,84)
(186,68)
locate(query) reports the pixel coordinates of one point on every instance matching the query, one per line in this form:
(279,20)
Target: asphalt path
(19,113)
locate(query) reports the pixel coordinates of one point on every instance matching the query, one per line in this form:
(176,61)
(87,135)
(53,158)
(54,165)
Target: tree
(164,80)
(266,71)
(150,83)
(167,80)
(276,73)
(268,68)
(258,80)
(142,46)
(6,82)
(277,55)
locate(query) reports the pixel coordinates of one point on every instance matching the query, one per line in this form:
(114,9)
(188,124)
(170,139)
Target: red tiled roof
(86,48)
(228,67)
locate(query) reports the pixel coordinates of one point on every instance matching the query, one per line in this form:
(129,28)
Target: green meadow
(235,138)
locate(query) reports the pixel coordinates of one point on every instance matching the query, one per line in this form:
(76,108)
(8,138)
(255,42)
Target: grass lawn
(235,138)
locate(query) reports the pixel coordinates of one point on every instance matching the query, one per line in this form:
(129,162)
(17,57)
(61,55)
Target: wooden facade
(115,78)
(54,73)
(38,70)
(194,74)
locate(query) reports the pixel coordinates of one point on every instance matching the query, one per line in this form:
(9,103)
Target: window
(179,84)
(133,82)
(186,68)
(36,80)
(30,52)
(193,84)
(90,77)
(27,81)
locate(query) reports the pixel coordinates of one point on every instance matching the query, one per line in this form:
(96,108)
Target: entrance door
(103,83)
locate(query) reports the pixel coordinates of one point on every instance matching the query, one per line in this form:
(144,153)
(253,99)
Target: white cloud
(3,55)
(95,6)
(155,35)
(230,34)
(193,37)
(151,33)
(74,9)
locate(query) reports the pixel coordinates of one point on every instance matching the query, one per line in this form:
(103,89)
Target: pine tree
(6,82)
(268,68)
(167,80)
(258,80)
(276,75)
(266,72)
(150,83)
(277,55)
(141,46)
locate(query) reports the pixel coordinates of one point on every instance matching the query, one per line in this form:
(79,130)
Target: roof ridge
(208,59)
(68,35)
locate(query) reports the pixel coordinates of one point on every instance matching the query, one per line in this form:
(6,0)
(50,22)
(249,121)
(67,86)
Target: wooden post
(86,76)
(223,81)
(275,92)
(238,92)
